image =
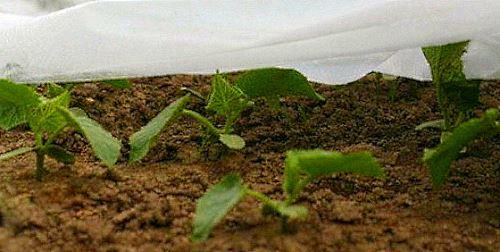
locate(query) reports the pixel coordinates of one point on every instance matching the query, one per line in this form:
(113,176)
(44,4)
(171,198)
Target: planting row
(49,115)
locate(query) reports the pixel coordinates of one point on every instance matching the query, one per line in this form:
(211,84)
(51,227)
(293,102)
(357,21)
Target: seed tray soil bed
(149,206)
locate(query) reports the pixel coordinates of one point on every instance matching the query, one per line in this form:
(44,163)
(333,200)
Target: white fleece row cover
(330,41)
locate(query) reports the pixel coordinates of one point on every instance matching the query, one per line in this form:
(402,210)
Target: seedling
(440,158)
(47,118)
(226,101)
(456,95)
(301,168)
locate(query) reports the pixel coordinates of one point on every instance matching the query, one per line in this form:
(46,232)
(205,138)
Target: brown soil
(151,205)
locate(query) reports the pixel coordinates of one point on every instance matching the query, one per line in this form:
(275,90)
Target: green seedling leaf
(273,83)
(16,104)
(456,95)
(105,146)
(438,124)
(316,163)
(15,153)
(234,142)
(215,204)
(47,117)
(439,160)
(119,83)
(446,61)
(226,100)
(292,182)
(59,154)
(142,140)
(304,166)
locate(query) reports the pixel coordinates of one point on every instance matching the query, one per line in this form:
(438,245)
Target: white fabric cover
(331,41)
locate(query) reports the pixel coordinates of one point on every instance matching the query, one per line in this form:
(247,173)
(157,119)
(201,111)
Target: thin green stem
(260,196)
(204,121)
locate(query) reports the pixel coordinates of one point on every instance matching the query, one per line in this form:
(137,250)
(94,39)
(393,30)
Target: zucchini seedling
(439,159)
(227,101)
(47,118)
(301,168)
(457,97)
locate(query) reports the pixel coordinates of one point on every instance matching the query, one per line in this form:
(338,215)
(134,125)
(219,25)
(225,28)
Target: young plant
(226,101)
(301,168)
(439,159)
(457,97)
(47,118)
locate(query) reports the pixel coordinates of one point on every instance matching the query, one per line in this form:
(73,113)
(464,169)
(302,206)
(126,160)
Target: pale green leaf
(234,142)
(15,152)
(105,146)
(225,99)
(215,204)
(141,141)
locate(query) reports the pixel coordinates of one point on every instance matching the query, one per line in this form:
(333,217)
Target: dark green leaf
(141,141)
(234,142)
(273,83)
(15,152)
(120,83)
(215,204)
(17,103)
(59,154)
(438,160)
(105,146)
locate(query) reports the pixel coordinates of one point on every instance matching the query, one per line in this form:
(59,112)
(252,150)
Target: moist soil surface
(149,206)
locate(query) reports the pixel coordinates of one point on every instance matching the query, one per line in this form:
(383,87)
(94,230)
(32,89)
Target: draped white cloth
(330,41)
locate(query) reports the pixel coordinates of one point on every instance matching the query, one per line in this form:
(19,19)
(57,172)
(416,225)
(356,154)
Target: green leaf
(438,124)
(105,146)
(232,141)
(291,185)
(15,152)
(273,83)
(47,117)
(225,99)
(119,83)
(59,154)
(439,160)
(142,140)
(455,93)
(215,204)
(316,163)
(16,104)
(446,61)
